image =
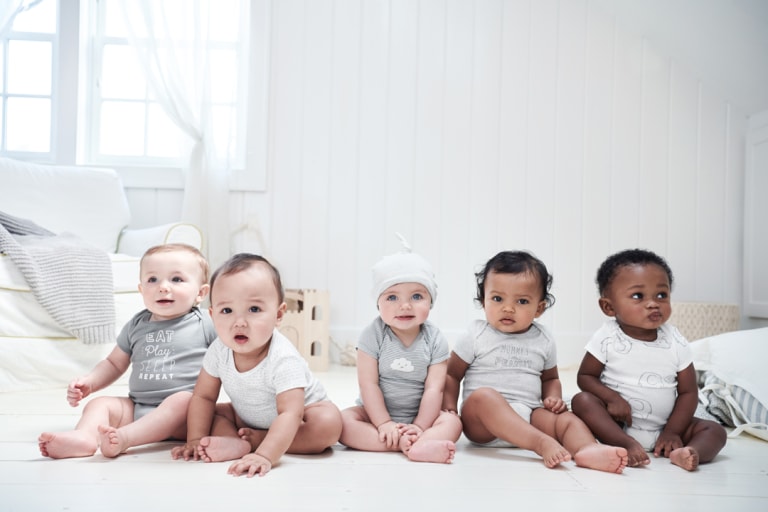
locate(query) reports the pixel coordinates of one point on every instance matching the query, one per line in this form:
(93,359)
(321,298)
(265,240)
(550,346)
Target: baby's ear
(281,309)
(606,307)
(203,292)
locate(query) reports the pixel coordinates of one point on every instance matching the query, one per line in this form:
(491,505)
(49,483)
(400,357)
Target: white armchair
(36,351)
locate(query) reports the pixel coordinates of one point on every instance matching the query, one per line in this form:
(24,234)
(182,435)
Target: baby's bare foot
(64,445)
(637,456)
(217,449)
(406,442)
(685,457)
(253,436)
(110,441)
(552,452)
(612,459)
(432,450)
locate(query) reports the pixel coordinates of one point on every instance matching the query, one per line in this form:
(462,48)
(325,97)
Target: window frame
(54,96)
(162,173)
(73,116)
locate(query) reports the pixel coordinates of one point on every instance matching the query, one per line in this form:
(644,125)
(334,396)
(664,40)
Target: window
(28,54)
(74,90)
(129,122)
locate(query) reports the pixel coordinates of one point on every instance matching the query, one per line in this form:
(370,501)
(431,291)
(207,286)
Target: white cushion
(87,202)
(23,317)
(737,358)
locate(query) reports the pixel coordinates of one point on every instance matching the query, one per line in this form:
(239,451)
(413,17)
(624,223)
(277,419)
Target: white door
(756,219)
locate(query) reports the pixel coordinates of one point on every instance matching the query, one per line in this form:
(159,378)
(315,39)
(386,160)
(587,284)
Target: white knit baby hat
(403,267)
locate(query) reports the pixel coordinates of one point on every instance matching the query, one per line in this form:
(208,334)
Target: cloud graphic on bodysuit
(640,408)
(402,365)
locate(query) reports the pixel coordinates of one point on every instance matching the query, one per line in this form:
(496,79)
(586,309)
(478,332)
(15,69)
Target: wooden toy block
(306,324)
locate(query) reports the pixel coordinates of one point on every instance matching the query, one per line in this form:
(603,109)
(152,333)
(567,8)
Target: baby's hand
(555,404)
(252,464)
(410,429)
(389,434)
(77,390)
(666,443)
(620,411)
(187,451)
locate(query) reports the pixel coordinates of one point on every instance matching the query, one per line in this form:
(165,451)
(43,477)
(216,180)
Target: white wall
(472,127)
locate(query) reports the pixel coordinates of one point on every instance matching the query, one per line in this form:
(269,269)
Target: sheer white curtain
(9,9)
(163,32)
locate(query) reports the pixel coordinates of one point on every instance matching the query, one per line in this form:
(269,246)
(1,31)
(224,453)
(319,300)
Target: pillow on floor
(734,379)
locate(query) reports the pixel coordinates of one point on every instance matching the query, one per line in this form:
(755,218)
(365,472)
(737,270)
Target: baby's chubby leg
(576,437)
(487,415)
(83,441)
(320,429)
(594,413)
(166,421)
(435,444)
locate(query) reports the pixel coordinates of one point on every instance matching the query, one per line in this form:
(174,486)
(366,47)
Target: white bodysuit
(644,373)
(254,393)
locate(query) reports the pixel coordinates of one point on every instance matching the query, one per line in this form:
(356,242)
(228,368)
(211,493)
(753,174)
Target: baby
(164,344)
(637,378)
(277,405)
(401,367)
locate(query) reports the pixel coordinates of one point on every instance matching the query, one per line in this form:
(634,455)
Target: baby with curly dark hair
(512,395)
(637,377)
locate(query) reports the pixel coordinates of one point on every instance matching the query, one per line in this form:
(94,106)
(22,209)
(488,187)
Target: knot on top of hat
(403,267)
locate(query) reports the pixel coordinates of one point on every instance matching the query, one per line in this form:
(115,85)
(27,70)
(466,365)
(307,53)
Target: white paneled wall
(473,127)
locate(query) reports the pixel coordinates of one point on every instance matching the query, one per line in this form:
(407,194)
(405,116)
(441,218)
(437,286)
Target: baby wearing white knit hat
(403,267)
(401,364)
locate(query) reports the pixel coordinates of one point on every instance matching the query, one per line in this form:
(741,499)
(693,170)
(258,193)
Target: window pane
(2,67)
(114,20)
(122,76)
(164,138)
(40,18)
(225,132)
(220,21)
(29,124)
(29,67)
(122,128)
(223,65)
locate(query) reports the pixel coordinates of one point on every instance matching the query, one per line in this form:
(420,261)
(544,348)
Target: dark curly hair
(516,262)
(610,267)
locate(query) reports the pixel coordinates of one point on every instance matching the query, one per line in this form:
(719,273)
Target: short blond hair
(174,247)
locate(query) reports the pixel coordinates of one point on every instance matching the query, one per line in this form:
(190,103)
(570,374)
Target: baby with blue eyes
(401,367)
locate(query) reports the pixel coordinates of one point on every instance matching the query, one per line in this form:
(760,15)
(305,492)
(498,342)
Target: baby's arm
(552,391)
(290,413)
(202,407)
(373,399)
(103,374)
(588,379)
(432,399)
(457,368)
(682,413)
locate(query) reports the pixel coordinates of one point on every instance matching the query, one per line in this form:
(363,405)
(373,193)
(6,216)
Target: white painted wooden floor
(147,479)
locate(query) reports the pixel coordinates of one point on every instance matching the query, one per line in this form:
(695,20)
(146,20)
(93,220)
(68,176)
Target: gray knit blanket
(71,279)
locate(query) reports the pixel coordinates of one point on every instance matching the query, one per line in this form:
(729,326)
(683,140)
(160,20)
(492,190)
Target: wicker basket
(696,320)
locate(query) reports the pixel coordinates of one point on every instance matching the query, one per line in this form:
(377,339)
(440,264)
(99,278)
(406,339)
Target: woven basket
(696,320)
